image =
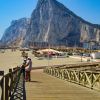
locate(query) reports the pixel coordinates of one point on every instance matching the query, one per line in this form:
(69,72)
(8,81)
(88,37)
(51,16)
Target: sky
(16,9)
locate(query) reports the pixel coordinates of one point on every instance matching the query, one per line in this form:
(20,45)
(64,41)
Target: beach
(11,59)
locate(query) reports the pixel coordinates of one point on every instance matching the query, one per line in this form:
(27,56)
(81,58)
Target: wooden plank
(46,87)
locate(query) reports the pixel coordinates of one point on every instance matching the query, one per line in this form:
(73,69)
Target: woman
(28,69)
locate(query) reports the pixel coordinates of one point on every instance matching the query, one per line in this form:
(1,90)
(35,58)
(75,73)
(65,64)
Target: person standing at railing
(23,68)
(28,69)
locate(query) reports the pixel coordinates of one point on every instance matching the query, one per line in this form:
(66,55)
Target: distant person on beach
(23,53)
(28,69)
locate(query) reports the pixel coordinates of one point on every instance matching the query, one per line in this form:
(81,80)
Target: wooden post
(70,75)
(79,77)
(11,84)
(15,73)
(2,85)
(6,87)
(91,80)
(84,80)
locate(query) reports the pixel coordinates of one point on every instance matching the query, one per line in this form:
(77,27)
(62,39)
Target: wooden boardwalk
(45,87)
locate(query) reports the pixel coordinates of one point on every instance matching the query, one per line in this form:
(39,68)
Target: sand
(11,59)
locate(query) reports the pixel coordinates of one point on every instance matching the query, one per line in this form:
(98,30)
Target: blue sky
(15,9)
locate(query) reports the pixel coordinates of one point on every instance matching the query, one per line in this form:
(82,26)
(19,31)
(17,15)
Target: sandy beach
(11,59)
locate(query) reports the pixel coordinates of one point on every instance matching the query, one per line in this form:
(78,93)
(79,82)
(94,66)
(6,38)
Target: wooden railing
(8,83)
(90,79)
(1,85)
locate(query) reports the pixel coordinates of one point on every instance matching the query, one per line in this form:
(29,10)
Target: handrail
(8,83)
(90,79)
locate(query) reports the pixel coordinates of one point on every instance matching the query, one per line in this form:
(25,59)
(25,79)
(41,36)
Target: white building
(95,55)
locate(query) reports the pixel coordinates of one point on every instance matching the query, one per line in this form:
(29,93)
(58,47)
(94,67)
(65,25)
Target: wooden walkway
(45,87)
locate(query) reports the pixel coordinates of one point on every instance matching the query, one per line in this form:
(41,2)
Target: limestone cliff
(14,35)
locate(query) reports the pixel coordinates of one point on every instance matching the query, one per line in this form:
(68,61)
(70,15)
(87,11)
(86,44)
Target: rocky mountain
(14,35)
(51,22)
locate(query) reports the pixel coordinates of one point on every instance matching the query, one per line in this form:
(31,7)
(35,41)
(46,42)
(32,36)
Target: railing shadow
(19,92)
(12,85)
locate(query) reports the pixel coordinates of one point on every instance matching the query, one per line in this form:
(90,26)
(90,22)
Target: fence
(87,78)
(2,85)
(8,83)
